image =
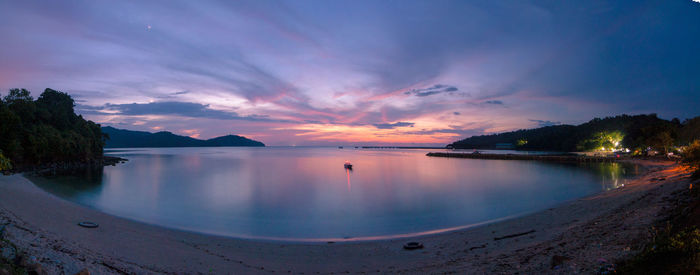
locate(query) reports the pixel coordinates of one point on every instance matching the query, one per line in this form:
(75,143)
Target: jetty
(554,158)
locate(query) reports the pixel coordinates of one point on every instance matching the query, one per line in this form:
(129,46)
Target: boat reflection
(347,172)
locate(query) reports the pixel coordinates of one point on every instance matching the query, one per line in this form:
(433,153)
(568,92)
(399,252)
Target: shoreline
(576,233)
(66,165)
(550,158)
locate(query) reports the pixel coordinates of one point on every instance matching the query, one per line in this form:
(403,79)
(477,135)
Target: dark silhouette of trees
(4,163)
(34,132)
(637,133)
(689,131)
(692,156)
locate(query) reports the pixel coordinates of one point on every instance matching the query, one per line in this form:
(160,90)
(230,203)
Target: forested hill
(45,130)
(624,131)
(119,138)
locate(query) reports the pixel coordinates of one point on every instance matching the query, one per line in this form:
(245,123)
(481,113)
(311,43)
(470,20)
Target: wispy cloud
(544,123)
(168,108)
(393,125)
(436,89)
(187,109)
(286,72)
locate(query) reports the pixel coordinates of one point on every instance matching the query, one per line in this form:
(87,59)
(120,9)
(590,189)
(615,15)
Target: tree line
(639,133)
(45,130)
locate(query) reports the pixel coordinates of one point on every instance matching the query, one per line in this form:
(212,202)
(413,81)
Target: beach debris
(412,245)
(88,224)
(84,271)
(477,247)
(513,235)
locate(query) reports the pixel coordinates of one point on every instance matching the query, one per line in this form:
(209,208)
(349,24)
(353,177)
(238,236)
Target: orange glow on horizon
(369,134)
(193,133)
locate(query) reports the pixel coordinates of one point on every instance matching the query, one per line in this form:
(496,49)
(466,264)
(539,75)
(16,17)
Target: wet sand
(574,237)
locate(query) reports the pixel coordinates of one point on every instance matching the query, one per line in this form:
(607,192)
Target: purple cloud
(435,89)
(266,68)
(393,125)
(544,123)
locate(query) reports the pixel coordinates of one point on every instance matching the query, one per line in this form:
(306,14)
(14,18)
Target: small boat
(348,165)
(340,147)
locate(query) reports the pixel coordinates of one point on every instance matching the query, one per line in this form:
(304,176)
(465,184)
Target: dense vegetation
(45,130)
(637,133)
(119,138)
(5,163)
(671,251)
(691,156)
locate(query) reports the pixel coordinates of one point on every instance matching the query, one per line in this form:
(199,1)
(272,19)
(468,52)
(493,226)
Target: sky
(355,72)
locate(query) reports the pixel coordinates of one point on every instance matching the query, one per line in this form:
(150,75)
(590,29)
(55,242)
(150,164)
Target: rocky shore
(71,165)
(588,235)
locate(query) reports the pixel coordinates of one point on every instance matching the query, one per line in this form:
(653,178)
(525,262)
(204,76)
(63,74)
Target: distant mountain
(119,138)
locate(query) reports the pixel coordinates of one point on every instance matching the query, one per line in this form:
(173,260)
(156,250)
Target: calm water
(305,193)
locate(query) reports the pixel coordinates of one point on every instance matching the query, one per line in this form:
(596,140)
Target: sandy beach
(575,237)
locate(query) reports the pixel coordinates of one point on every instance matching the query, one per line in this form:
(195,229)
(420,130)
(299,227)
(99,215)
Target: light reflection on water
(306,193)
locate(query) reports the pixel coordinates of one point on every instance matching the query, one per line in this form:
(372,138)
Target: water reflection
(71,182)
(612,175)
(347,172)
(302,193)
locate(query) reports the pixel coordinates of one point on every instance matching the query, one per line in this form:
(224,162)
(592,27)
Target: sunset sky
(355,72)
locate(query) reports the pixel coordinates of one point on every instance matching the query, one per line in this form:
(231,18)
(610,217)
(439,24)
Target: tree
(17,95)
(661,141)
(4,163)
(691,155)
(10,130)
(651,132)
(602,141)
(46,130)
(56,108)
(689,131)
(21,104)
(633,132)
